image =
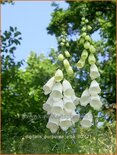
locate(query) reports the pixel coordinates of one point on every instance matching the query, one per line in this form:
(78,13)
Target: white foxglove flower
(48,86)
(67,54)
(68,105)
(60,57)
(57,108)
(86,122)
(94,73)
(65,123)
(48,105)
(58,75)
(85,97)
(57,91)
(75,99)
(96,102)
(94,88)
(67,89)
(53,124)
(74,117)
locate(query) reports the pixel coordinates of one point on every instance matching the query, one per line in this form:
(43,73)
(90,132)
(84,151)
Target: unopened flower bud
(86,45)
(67,54)
(66,63)
(70,71)
(92,49)
(91,59)
(61,44)
(58,75)
(83,34)
(84,54)
(88,38)
(84,29)
(60,57)
(81,63)
(89,27)
(81,41)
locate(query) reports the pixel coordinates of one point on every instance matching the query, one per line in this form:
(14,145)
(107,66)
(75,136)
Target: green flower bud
(70,71)
(82,23)
(86,45)
(61,44)
(83,19)
(91,59)
(83,34)
(84,29)
(63,40)
(81,63)
(92,49)
(67,44)
(89,27)
(88,38)
(84,54)
(81,41)
(67,54)
(60,57)
(86,21)
(66,63)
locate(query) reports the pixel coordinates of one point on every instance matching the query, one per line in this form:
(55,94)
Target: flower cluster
(61,103)
(64,55)
(87,42)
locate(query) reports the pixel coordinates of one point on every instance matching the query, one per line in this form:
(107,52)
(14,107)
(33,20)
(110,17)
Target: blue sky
(31,19)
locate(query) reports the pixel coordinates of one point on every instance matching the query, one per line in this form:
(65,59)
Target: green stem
(96,134)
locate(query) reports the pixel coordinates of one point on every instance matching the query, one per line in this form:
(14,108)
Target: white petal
(57,91)
(86,122)
(85,97)
(52,126)
(96,102)
(58,75)
(67,88)
(68,105)
(54,119)
(48,105)
(75,117)
(48,86)
(57,108)
(75,99)
(94,88)
(94,73)
(65,124)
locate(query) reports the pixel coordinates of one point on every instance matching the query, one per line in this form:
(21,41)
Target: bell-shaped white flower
(48,86)
(68,105)
(75,117)
(94,88)
(61,57)
(67,89)
(86,122)
(57,108)
(85,97)
(75,99)
(48,105)
(58,75)
(65,123)
(53,124)
(96,102)
(67,54)
(94,73)
(57,91)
